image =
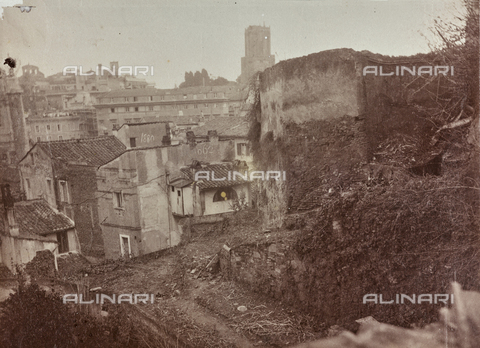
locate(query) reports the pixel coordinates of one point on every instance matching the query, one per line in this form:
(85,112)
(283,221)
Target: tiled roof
(139,124)
(36,219)
(89,151)
(216,171)
(225,126)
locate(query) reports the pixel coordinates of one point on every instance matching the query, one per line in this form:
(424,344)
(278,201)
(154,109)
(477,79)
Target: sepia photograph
(239,174)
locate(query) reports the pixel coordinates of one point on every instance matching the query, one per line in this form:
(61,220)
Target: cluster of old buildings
(105,165)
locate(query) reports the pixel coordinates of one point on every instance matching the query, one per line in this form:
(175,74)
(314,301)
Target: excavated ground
(196,303)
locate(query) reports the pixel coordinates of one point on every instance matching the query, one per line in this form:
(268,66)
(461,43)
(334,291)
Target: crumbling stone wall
(83,207)
(366,222)
(328,274)
(322,118)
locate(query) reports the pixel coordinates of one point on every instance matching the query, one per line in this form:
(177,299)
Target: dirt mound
(42,265)
(72,266)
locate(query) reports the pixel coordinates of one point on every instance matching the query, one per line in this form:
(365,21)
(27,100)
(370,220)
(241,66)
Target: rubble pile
(400,150)
(42,265)
(70,266)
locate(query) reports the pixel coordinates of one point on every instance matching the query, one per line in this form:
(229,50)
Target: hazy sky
(178,36)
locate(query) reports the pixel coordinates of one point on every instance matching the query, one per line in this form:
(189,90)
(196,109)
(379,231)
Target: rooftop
(36,219)
(89,151)
(225,126)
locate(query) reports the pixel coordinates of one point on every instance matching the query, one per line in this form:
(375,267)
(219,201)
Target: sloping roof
(217,171)
(89,151)
(39,218)
(225,126)
(36,219)
(134,124)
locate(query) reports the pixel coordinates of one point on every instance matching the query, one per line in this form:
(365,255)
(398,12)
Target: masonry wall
(215,151)
(322,120)
(141,174)
(310,105)
(15,251)
(111,236)
(365,222)
(37,168)
(119,176)
(83,206)
(149,134)
(73,241)
(330,284)
(157,223)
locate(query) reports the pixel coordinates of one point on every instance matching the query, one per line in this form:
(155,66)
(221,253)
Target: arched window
(224,194)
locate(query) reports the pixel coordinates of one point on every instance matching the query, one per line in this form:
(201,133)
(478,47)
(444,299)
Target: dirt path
(201,306)
(174,301)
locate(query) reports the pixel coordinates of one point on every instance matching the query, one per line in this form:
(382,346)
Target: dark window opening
(125,246)
(62,239)
(133,142)
(118,200)
(242,149)
(225,194)
(63,191)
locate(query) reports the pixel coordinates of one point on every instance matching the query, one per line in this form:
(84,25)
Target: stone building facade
(150,105)
(143,191)
(62,126)
(63,173)
(27,227)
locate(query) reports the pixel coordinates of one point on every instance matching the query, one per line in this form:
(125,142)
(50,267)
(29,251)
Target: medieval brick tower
(257,51)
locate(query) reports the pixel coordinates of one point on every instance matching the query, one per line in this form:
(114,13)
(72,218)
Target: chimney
(166,140)
(194,166)
(9,211)
(191,138)
(240,165)
(212,136)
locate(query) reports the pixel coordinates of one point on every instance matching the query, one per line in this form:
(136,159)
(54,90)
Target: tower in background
(114,65)
(257,51)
